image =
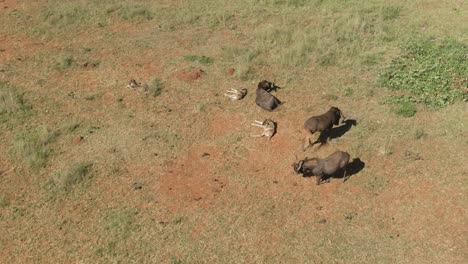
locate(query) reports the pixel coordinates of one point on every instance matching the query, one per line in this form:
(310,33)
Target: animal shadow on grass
(352,168)
(335,132)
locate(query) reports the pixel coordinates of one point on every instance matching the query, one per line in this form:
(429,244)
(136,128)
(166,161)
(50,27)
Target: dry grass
(176,177)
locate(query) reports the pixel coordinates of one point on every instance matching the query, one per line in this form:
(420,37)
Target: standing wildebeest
(264,99)
(321,123)
(323,167)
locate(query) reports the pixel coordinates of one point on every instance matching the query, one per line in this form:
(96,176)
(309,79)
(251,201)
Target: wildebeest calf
(264,99)
(321,123)
(323,167)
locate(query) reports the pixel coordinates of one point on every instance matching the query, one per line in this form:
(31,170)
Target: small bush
(155,87)
(419,133)
(78,173)
(348,92)
(63,62)
(201,59)
(121,223)
(3,201)
(406,109)
(330,97)
(402,105)
(67,15)
(11,101)
(136,14)
(33,148)
(433,72)
(390,12)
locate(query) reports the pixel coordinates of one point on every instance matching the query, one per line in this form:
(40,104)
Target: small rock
(275,182)
(77,140)
(90,65)
(319,208)
(205,154)
(197,198)
(323,221)
(230,71)
(137,186)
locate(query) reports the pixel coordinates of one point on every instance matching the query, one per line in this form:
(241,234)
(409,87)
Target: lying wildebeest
(264,99)
(269,128)
(323,167)
(322,123)
(140,87)
(234,94)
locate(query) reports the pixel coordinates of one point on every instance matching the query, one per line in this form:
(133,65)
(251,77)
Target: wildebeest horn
(299,168)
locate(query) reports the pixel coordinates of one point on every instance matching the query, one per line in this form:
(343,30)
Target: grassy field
(93,172)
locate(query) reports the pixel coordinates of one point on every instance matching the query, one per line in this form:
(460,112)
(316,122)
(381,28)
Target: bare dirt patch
(190,74)
(192,180)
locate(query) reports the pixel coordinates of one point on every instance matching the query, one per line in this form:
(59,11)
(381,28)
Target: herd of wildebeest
(318,167)
(321,168)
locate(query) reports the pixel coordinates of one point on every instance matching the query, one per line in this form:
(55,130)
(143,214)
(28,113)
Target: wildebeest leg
(257,135)
(319,179)
(327,135)
(344,176)
(307,143)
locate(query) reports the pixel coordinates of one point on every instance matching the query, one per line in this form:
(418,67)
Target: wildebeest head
(297,166)
(337,112)
(266,85)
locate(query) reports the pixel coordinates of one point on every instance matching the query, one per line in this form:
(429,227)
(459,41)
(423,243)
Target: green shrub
(11,101)
(390,12)
(201,59)
(33,148)
(78,173)
(63,62)
(155,87)
(406,109)
(136,13)
(433,72)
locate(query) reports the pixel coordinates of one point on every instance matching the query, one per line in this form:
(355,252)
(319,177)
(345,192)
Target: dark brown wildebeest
(323,167)
(264,99)
(321,123)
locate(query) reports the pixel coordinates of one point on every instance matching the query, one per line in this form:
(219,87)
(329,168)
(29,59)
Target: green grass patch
(65,15)
(155,87)
(406,109)
(419,133)
(33,148)
(200,59)
(119,225)
(136,13)
(3,201)
(70,128)
(433,72)
(348,92)
(390,12)
(63,62)
(402,105)
(330,97)
(77,174)
(11,101)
